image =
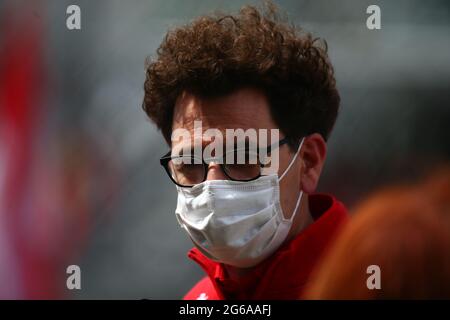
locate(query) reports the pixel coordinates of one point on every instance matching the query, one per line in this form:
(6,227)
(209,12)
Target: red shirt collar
(285,273)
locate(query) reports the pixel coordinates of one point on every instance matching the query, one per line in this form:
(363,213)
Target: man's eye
(178,166)
(184,167)
(187,167)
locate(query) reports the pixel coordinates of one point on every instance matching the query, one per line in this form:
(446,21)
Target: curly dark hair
(217,54)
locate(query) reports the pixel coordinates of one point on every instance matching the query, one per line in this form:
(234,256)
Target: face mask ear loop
(301,192)
(293,160)
(299,200)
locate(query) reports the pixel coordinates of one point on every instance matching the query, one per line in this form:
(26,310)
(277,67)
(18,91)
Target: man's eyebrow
(250,145)
(246,144)
(238,142)
(192,148)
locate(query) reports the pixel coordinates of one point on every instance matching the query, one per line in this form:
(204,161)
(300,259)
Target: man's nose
(215,172)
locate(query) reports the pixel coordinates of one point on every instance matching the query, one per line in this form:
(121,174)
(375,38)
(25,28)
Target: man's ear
(313,155)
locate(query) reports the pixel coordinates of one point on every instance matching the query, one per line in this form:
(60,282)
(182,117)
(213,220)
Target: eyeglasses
(187,171)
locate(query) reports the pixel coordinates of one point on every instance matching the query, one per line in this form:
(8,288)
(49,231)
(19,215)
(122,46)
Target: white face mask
(233,222)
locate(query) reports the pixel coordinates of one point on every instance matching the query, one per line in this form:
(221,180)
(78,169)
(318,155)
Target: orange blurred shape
(405,230)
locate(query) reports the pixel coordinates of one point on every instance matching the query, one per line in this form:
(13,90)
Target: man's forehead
(204,140)
(226,139)
(203,130)
(215,120)
(244,108)
(238,117)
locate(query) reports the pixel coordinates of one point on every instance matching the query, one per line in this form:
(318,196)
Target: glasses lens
(242,165)
(185,171)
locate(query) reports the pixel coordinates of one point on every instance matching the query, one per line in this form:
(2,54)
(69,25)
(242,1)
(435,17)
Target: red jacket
(285,273)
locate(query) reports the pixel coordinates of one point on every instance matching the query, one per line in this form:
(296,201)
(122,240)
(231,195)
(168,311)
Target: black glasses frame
(165,159)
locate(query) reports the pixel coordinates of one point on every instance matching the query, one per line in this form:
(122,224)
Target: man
(256,236)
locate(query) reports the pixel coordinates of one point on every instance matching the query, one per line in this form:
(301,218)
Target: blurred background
(80,180)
